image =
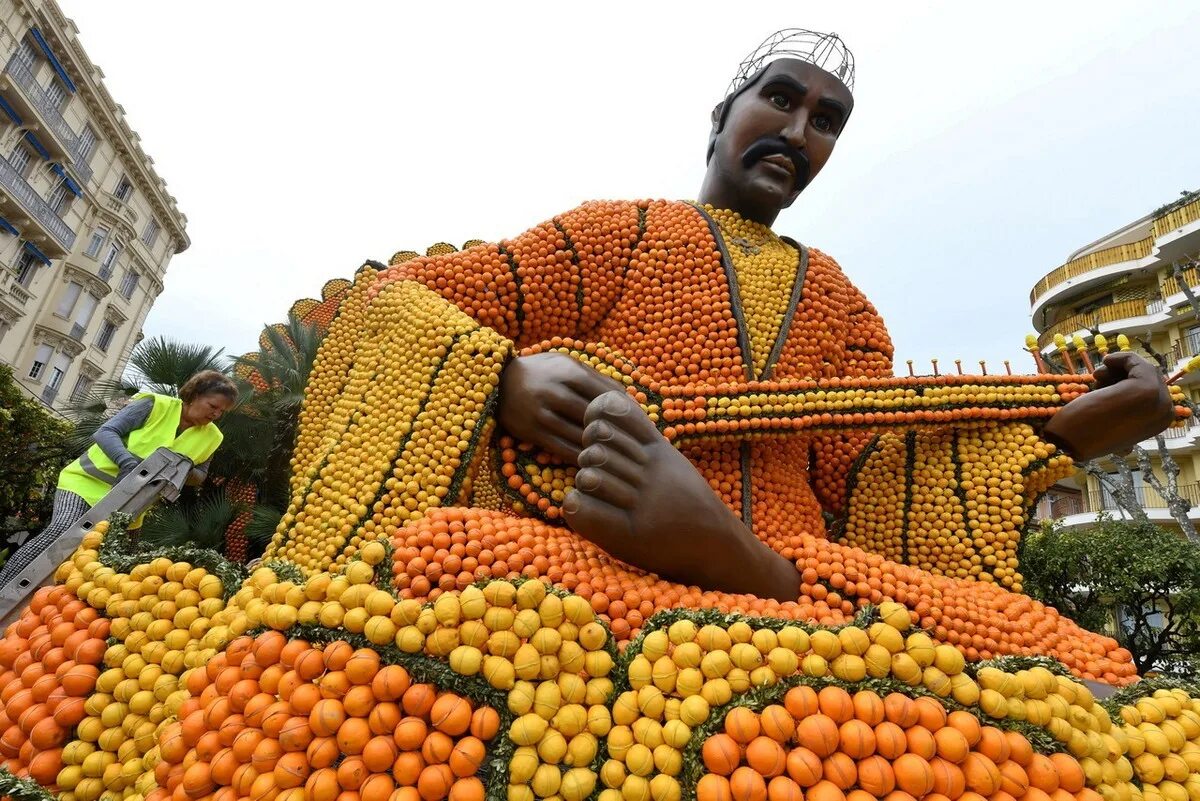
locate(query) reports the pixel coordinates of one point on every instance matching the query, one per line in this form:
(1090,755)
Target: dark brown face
(777,135)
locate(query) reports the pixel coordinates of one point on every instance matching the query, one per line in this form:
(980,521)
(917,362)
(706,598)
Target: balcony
(18,293)
(32,100)
(1147,498)
(1174,220)
(57,237)
(121,207)
(1086,321)
(49,393)
(1093,261)
(77,331)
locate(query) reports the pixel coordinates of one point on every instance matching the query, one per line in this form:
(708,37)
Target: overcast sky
(985,146)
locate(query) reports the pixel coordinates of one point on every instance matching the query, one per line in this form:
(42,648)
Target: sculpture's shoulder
(824,269)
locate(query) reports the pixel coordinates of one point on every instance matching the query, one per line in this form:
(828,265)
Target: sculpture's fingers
(557,434)
(591,384)
(612,461)
(599,483)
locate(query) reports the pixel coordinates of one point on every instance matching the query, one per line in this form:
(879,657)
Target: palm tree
(248,477)
(273,381)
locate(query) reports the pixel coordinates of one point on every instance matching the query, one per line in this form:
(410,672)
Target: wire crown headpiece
(824,50)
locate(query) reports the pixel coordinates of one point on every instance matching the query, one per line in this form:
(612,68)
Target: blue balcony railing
(35,205)
(18,70)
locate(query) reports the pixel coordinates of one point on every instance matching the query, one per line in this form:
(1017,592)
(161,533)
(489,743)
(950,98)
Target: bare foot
(642,501)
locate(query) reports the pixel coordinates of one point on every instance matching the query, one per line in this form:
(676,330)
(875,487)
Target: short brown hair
(208,382)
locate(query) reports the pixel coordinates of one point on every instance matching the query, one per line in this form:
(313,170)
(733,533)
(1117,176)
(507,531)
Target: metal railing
(1181,431)
(14,183)
(1121,310)
(1177,218)
(1092,261)
(1187,347)
(1066,505)
(1170,284)
(77,331)
(50,112)
(1147,498)
(49,394)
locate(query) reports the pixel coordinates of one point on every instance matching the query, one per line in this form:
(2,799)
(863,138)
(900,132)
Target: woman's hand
(1130,403)
(543,400)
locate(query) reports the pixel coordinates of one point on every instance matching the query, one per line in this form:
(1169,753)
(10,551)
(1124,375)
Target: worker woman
(185,425)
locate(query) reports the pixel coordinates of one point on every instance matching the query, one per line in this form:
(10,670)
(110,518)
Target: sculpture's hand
(1129,403)
(543,400)
(640,499)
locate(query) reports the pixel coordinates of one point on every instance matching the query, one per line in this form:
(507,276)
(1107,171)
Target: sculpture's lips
(782,161)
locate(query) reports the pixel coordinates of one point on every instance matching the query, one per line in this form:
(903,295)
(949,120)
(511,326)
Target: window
(86,144)
(44,352)
(60,199)
(150,235)
(124,189)
(1193,340)
(69,296)
(26,267)
(56,93)
(58,370)
(83,315)
(105,337)
(26,55)
(97,241)
(22,159)
(129,283)
(110,260)
(83,385)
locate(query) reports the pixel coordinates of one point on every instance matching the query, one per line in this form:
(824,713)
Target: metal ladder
(162,474)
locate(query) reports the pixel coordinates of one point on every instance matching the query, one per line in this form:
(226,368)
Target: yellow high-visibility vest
(93,474)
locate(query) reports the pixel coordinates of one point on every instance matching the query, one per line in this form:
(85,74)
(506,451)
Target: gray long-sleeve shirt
(112,435)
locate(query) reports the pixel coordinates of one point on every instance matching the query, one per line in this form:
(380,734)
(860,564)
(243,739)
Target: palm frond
(261,527)
(165,364)
(198,520)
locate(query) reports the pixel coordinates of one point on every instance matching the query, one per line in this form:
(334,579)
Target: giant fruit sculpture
(410,638)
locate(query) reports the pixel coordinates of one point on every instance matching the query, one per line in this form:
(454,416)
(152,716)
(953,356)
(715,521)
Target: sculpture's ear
(716,127)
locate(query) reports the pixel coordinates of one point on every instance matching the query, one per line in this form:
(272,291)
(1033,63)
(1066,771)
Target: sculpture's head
(778,124)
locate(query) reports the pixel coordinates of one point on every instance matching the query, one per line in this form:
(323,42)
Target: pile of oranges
(512,689)
(49,659)
(269,717)
(831,745)
(451,548)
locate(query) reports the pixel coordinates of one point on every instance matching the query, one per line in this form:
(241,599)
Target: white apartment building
(87,226)
(1127,283)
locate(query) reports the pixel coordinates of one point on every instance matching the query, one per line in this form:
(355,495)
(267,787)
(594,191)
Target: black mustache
(771,147)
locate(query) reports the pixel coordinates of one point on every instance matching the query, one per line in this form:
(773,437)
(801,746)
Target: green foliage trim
(1145,687)
(119,552)
(19,789)
(285,571)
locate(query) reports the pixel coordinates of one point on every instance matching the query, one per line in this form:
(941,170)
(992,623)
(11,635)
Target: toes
(601,522)
(601,484)
(623,412)
(612,461)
